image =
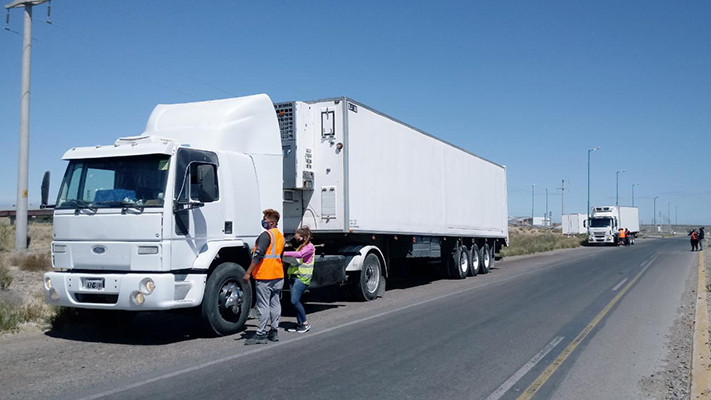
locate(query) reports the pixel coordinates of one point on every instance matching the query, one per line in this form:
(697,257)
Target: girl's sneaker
(295,329)
(303,328)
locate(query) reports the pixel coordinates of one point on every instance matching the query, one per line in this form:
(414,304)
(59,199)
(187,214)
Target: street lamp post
(533,188)
(546,216)
(588,220)
(633,185)
(655,212)
(617,187)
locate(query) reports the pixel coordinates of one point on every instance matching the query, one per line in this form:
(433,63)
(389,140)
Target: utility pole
(617,187)
(562,191)
(676,216)
(669,215)
(549,222)
(633,185)
(24,152)
(588,212)
(533,188)
(655,212)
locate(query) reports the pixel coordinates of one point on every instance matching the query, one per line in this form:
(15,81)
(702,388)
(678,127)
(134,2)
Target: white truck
(606,221)
(574,224)
(168,219)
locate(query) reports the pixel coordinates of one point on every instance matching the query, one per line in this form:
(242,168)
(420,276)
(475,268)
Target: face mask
(265,224)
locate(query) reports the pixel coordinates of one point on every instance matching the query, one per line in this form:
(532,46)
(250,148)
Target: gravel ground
(674,381)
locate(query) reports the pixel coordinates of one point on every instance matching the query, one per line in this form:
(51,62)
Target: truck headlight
(147,286)
(137,298)
(48,283)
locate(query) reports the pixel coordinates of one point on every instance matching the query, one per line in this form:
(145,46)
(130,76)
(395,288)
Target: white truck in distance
(168,219)
(574,224)
(606,221)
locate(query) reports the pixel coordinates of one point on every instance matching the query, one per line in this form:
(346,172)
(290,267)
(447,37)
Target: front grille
(285,116)
(96,298)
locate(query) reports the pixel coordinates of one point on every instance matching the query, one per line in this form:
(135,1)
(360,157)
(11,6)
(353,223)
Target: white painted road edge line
(321,332)
(496,395)
(619,284)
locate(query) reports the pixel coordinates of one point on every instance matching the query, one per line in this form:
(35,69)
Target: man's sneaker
(273,335)
(294,329)
(303,328)
(256,339)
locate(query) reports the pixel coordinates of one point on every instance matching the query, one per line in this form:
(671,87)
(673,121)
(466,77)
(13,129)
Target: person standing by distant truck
(694,238)
(621,237)
(701,238)
(268,272)
(628,238)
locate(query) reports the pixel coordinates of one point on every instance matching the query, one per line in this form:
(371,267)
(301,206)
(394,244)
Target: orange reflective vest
(694,236)
(271,267)
(622,234)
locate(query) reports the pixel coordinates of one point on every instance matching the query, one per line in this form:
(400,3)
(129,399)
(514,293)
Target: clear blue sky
(531,85)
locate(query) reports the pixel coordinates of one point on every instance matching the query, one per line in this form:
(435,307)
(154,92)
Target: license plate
(94,284)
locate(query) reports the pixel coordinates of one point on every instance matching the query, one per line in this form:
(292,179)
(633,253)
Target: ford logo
(98,249)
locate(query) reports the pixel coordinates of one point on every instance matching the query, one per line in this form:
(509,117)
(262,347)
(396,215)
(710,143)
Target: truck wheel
(227,300)
(485,259)
(459,263)
(366,284)
(492,263)
(475,260)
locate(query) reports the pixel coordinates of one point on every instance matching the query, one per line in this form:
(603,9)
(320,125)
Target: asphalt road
(599,316)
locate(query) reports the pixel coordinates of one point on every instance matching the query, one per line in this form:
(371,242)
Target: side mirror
(207,183)
(45,190)
(585,223)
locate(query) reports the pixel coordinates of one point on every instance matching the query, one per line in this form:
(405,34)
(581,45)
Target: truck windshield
(600,222)
(118,182)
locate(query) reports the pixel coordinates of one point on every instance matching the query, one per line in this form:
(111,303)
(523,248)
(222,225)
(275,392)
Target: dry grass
(529,241)
(7,236)
(14,313)
(23,302)
(5,277)
(32,262)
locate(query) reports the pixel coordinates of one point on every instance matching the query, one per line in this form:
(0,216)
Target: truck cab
(144,223)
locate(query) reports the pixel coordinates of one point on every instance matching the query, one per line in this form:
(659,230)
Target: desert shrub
(36,262)
(7,237)
(534,241)
(33,262)
(5,277)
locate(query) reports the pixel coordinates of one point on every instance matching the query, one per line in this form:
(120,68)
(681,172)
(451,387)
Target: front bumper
(171,291)
(603,239)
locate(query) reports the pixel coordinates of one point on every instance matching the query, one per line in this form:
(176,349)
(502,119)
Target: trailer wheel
(475,258)
(486,261)
(459,263)
(367,283)
(227,300)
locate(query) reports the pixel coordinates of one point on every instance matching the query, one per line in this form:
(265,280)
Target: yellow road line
(548,372)
(700,373)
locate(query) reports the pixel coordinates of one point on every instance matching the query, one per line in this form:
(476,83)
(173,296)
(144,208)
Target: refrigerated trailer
(168,219)
(574,224)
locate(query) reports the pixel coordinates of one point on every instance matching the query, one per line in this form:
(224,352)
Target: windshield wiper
(126,205)
(81,204)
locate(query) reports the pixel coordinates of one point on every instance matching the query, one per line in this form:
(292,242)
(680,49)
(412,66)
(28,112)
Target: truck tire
(474,258)
(459,263)
(227,300)
(492,264)
(365,285)
(486,261)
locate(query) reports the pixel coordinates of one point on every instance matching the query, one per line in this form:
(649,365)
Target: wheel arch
(356,256)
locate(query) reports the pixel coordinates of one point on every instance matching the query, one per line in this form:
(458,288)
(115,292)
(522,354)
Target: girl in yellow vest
(300,276)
